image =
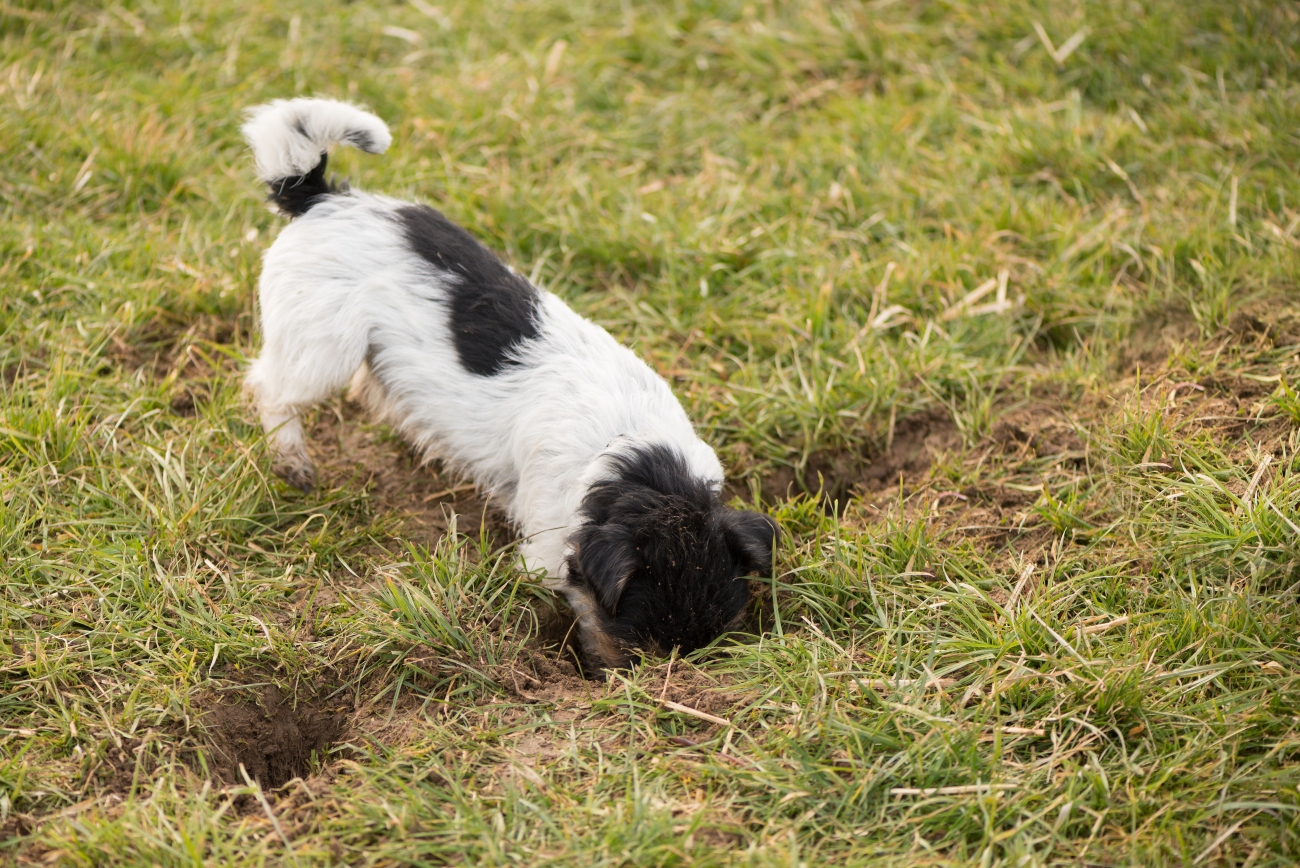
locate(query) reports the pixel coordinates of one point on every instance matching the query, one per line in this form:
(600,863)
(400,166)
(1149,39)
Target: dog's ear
(607,557)
(751,536)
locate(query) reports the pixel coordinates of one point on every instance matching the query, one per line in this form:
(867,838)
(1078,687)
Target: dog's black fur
(493,309)
(296,195)
(667,563)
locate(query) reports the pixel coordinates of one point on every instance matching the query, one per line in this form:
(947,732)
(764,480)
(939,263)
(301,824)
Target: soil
(574,712)
(120,766)
(544,676)
(836,476)
(694,688)
(351,452)
(1154,336)
(1262,325)
(918,440)
(274,737)
(1046,440)
(167,342)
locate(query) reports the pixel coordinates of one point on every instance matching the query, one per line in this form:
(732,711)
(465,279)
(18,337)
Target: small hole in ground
(273,737)
(835,476)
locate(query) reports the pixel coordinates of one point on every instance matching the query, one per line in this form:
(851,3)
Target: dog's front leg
(292,463)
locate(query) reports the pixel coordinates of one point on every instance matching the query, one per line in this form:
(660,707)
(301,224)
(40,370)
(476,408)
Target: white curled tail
(290,140)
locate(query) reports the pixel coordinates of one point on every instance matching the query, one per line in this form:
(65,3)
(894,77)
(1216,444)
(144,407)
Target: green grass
(1051,619)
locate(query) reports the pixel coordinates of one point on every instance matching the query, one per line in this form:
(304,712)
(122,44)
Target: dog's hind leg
(369,392)
(293,373)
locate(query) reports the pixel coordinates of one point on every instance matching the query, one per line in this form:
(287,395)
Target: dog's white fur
(341,284)
(289,135)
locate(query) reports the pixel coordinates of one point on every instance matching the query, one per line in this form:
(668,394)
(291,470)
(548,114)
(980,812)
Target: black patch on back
(297,194)
(493,310)
(668,563)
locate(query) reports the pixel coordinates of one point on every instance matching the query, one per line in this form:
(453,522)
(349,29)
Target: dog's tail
(290,139)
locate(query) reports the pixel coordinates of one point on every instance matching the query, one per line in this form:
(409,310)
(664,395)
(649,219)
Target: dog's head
(660,563)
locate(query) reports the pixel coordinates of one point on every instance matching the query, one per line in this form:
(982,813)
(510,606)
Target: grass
(994,306)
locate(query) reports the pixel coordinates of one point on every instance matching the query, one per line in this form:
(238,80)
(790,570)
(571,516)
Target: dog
(597,464)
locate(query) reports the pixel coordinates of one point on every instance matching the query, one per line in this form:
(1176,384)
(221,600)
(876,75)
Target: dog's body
(584,445)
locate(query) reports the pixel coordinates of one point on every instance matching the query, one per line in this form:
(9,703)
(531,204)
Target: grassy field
(995,306)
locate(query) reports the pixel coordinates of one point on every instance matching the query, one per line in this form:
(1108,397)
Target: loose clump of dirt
(542,676)
(686,685)
(274,737)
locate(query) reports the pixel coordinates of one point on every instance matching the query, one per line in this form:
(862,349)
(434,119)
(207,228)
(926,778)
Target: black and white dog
(593,457)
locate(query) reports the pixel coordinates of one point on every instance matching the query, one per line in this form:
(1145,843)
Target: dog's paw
(300,475)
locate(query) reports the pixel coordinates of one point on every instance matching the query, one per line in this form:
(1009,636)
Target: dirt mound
(274,737)
(543,676)
(691,687)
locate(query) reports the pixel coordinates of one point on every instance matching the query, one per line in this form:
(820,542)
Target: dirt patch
(1265,326)
(682,691)
(16,826)
(1154,336)
(557,632)
(1040,451)
(836,476)
(687,685)
(1038,431)
(12,372)
(545,676)
(1029,445)
(918,440)
(832,475)
(169,343)
(274,737)
(353,453)
(1234,386)
(119,765)
(1261,325)
(187,397)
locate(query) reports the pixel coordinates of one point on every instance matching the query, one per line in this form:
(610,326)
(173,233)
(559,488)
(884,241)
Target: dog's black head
(660,563)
